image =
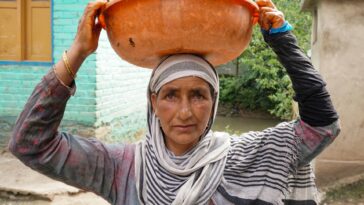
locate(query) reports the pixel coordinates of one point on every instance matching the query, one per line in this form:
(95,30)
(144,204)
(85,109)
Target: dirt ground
(349,194)
(19,185)
(61,199)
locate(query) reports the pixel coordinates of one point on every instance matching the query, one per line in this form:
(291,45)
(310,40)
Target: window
(25,30)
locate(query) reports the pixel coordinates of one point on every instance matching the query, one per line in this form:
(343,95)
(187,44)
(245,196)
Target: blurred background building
(337,51)
(33,34)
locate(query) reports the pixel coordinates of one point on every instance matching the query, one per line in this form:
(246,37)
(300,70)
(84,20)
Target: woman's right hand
(85,43)
(88,32)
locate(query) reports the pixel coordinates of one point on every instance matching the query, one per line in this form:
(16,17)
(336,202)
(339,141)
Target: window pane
(38,31)
(9,47)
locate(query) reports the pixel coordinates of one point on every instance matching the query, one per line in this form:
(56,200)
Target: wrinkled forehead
(182,65)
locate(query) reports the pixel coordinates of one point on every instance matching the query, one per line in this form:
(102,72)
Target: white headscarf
(162,177)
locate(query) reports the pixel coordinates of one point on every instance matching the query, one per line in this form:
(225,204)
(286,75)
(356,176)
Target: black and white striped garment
(163,185)
(261,168)
(257,168)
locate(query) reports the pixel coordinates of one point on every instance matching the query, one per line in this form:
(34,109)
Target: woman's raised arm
(318,124)
(85,43)
(36,141)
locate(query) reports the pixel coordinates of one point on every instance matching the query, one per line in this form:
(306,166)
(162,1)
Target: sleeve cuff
(284,28)
(313,140)
(55,86)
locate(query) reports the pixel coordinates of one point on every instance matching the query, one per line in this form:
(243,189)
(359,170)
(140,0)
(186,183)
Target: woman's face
(184,107)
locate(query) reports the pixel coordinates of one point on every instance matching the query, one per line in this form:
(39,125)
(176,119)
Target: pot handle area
(101,18)
(253,8)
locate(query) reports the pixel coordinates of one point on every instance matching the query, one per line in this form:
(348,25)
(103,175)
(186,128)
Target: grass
(353,193)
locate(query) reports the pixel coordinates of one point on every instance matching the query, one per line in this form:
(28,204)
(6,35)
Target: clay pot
(143,32)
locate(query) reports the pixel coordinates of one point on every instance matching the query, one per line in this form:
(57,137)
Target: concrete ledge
(18,179)
(332,173)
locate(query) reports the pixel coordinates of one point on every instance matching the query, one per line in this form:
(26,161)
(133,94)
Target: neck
(178,150)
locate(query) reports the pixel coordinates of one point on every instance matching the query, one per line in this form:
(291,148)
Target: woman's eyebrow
(200,89)
(168,89)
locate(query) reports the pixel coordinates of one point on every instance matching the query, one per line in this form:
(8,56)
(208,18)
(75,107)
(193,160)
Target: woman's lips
(184,128)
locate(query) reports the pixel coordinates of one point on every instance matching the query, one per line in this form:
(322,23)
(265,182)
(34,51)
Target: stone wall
(337,51)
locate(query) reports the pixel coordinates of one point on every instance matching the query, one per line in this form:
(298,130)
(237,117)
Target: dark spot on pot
(118,44)
(131,42)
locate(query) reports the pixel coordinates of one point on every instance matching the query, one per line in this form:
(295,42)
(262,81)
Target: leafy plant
(264,83)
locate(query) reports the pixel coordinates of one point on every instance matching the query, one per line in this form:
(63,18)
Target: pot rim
(250,4)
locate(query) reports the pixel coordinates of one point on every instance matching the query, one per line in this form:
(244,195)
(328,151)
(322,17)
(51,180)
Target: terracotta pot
(143,32)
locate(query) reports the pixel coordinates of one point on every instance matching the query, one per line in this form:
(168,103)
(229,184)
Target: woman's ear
(153,98)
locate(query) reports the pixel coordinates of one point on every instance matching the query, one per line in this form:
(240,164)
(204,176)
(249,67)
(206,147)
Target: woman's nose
(185,111)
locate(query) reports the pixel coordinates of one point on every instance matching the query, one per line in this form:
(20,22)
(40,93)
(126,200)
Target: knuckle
(89,6)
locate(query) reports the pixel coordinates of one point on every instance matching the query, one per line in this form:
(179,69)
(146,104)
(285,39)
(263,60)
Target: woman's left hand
(270,16)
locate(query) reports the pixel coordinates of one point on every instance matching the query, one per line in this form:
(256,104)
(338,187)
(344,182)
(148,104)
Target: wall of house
(111,94)
(18,79)
(120,93)
(81,107)
(338,53)
(16,84)
(110,99)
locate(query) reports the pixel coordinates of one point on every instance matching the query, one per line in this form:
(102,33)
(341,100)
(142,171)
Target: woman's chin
(182,142)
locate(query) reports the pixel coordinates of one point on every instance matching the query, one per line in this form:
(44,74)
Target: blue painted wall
(110,92)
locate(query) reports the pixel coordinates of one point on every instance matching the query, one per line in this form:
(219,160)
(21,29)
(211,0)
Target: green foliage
(264,84)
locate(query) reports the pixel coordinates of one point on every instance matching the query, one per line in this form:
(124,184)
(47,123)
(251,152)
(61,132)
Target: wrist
(77,52)
(76,56)
(282,29)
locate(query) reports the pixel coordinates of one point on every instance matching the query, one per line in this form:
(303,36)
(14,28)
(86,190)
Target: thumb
(275,19)
(97,29)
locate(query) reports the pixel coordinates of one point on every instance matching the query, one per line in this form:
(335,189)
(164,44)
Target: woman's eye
(198,96)
(170,96)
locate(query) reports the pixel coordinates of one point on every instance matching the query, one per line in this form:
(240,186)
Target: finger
(266,3)
(97,30)
(264,10)
(93,9)
(263,21)
(266,23)
(274,19)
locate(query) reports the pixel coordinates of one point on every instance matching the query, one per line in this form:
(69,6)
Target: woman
(181,161)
